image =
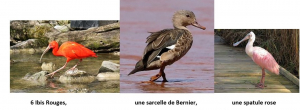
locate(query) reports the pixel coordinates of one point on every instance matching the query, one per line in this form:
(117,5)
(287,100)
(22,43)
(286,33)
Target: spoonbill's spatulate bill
(70,50)
(260,56)
(167,46)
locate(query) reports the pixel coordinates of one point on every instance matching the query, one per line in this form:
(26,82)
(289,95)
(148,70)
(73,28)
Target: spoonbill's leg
(75,65)
(261,84)
(161,73)
(51,74)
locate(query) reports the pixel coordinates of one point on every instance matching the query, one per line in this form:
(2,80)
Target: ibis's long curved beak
(245,38)
(44,52)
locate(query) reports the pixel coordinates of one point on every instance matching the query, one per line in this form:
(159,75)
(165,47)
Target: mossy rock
(38,78)
(28,29)
(39,30)
(97,39)
(63,22)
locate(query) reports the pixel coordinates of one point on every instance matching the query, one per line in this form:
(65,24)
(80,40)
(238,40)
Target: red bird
(70,50)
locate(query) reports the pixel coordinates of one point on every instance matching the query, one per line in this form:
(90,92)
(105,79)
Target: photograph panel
(167,47)
(257,60)
(84,58)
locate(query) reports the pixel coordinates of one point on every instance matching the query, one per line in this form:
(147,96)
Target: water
(193,73)
(26,63)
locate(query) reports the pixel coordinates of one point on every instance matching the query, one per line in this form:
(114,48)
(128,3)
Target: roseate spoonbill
(167,46)
(261,57)
(70,50)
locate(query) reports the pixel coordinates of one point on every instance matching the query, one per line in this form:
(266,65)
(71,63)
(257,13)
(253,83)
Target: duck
(167,46)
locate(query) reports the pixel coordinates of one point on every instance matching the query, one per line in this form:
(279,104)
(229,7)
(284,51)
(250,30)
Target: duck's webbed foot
(160,74)
(155,77)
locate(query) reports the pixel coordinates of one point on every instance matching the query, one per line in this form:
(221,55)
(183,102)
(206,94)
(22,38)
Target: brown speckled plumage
(159,41)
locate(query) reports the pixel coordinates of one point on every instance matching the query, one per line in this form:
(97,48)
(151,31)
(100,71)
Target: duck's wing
(158,43)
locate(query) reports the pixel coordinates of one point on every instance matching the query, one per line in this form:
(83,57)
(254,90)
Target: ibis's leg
(51,74)
(75,65)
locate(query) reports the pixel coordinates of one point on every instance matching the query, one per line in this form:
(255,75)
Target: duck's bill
(198,26)
(245,38)
(44,53)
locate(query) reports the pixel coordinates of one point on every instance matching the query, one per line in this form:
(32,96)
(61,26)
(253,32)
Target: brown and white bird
(167,46)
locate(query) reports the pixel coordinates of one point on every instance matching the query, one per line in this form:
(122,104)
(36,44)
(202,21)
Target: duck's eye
(187,15)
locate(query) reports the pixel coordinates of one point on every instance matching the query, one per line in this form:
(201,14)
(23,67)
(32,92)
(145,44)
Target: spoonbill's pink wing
(265,60)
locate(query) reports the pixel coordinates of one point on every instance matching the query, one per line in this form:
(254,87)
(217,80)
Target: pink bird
(261,57)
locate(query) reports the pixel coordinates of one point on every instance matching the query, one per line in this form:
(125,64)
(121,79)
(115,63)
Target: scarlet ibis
(260,56)
(169,45)
(70,50)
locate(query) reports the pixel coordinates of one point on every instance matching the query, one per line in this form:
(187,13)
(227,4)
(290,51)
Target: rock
(52,22)
(63,22)
(20,24)
(44,21)
(27,51)
(40,30)
(78,90)
(21,30)
(106,22)
(62,28)
(108,66)
(106,28)
(48,67)
(12,61)
(105,38)
(76,76)
(75,73)
(84,24)
(33,22)
(107,76)
(38,78)
(81,79)
(12,41)
(31,51)
(101,39)
(25,44)
(116,53)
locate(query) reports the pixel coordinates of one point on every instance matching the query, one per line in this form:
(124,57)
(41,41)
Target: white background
(229,14)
